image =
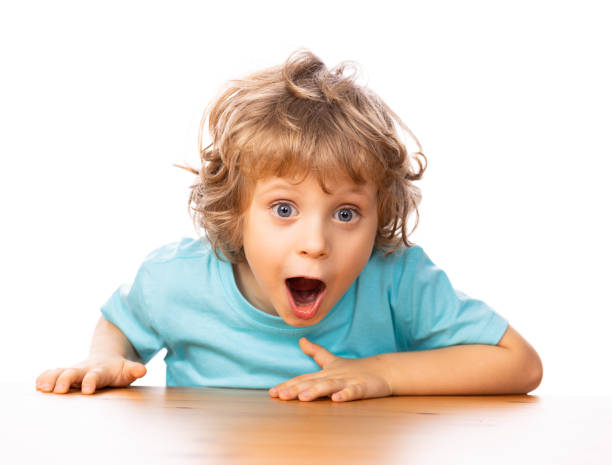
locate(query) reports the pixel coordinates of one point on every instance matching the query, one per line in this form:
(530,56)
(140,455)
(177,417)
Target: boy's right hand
(92,373)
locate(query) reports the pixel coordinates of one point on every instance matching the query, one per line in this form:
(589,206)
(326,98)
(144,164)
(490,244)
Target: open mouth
(305,295)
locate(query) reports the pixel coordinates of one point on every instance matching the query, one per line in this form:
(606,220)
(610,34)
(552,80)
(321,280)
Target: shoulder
(187,248)
(403,257)
(178,267)
(400,271)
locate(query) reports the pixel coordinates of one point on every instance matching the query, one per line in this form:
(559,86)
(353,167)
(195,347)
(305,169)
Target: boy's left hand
(340,378)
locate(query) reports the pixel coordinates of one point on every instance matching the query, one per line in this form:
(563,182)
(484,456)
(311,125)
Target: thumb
(319,353)
(137,370)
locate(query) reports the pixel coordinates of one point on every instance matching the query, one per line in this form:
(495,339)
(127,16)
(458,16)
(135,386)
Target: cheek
(361,246)
(364,246)
(261,246)
(355,262)
(259,237)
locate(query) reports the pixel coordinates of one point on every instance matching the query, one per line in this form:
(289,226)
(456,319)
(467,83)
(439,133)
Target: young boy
(306,284)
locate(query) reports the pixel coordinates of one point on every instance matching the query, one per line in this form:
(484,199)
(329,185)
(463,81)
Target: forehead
(326,152)
(341,186)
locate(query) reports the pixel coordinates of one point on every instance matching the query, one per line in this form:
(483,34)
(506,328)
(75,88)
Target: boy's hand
(93,373)
(340,378)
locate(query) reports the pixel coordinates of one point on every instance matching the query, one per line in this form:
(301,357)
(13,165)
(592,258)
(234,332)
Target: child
(306,284)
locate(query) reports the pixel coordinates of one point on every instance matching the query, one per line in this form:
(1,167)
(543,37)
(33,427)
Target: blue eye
(283,210)
(346,214)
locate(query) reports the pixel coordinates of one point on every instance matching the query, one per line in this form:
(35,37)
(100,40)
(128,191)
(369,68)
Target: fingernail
(87,388)
(305,394)
(46,386)
(284,392)
(59,387)
(273,391)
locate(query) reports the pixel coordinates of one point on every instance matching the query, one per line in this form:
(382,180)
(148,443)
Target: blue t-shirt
(185,299)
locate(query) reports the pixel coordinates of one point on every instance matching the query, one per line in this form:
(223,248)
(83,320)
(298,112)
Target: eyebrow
(280,185)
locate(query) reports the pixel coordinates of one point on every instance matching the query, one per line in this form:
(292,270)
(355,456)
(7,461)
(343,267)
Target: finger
(290,391)
(90,381)
(350,392)
(290,385)
(321,389)
(127,373)
(137,370)
(46,381)
(130,372)
(290,382)
(102,375)
(319,353)
(65,380)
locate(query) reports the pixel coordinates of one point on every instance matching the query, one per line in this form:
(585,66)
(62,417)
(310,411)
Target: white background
(510,100)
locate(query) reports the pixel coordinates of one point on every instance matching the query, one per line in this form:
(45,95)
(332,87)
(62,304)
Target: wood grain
(233,426)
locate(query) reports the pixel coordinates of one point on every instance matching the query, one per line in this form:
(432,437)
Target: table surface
(175,425)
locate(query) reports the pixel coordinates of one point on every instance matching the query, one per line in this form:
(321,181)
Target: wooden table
(232,426)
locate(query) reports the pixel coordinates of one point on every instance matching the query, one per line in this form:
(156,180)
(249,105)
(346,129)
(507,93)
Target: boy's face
(293,231)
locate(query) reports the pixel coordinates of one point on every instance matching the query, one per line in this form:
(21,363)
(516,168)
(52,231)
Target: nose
(313,241)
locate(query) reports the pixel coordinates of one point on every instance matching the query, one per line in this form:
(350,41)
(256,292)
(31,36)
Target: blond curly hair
(293,120)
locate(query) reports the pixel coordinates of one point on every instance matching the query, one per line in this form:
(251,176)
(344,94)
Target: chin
(301,323)
(293,320)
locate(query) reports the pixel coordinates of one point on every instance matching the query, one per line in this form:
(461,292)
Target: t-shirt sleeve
(434,314)
(128,309)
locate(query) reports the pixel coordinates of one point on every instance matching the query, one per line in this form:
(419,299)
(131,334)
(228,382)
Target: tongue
(304,284)
(305,296)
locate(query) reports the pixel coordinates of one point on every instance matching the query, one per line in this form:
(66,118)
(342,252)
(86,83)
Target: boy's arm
(511,367)
(110,340)
(112,361)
